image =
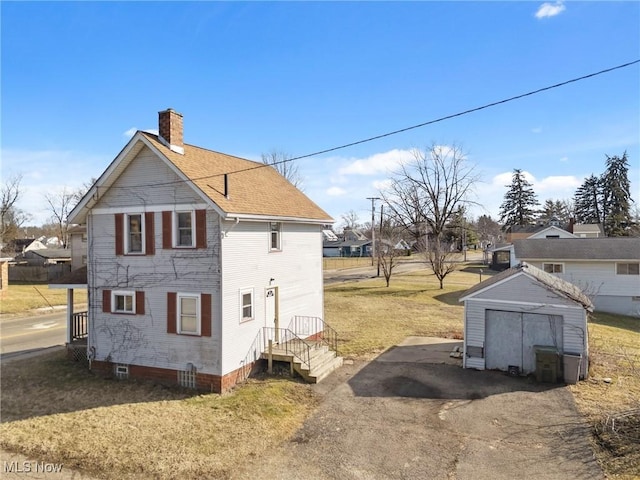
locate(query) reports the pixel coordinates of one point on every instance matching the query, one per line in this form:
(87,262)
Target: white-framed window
(121,371)
(274,239)
(631,268)
(188,314)
(553,267)
(123,302)
(134,232)
(184,228)
(246,305)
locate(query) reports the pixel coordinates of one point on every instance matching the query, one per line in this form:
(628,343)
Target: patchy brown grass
(615,354)
(56,411)
(371,317)
(21,298)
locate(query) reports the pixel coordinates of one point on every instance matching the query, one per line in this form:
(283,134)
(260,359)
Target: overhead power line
(413,127)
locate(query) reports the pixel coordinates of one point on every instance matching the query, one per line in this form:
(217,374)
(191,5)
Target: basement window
(121,371)
(187,378)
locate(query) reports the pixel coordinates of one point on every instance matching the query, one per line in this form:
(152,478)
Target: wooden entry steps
(322,361)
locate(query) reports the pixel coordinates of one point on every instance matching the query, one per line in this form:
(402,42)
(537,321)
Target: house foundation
(204,382)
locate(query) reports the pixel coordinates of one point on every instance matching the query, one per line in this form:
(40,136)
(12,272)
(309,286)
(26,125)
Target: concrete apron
(423,350)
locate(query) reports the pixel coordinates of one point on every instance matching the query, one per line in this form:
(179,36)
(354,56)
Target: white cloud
(536,130)
(377,163)
(131,132)
(153,131)
(382,185)
(49,171)
(550,9)
(564,159)
(335,191)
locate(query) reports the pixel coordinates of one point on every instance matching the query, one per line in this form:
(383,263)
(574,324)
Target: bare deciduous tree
(441,258)
(60,204)
(388,255)
(426,193)
(284,166)
(350,220)
(11,217)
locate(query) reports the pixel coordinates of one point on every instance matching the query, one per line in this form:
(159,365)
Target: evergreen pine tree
(616,196)
(588,201)
(518,207)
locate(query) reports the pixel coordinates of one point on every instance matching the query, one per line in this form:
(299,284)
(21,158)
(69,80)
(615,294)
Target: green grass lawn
(371,317)
(20,298)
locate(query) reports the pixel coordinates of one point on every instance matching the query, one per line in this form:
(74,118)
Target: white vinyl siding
(610,292)
(296,272)
(146,341)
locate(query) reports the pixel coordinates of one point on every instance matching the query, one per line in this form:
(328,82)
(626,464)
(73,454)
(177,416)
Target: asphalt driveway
(406,416)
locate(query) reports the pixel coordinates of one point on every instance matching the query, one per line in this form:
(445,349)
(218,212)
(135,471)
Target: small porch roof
(75,279)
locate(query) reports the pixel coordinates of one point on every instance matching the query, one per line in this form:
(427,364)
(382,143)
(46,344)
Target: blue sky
(77,78)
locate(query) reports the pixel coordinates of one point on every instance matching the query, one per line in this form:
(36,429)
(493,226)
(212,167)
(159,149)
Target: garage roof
(549,281)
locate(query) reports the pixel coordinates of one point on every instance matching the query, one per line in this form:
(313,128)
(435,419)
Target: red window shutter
(139,303)
(166,230)
(119,234)
(205,314)
(149,234)
(201,229)
(106,301)
(171,312)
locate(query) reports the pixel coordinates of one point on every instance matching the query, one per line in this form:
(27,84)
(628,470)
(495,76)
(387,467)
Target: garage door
(510,338)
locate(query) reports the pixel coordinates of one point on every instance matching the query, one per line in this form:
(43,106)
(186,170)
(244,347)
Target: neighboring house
(352,243)
(607,269)
(552,232)
(47,256)
(78,244)
(588,230)
(512,314)
(21,245)
(195,260)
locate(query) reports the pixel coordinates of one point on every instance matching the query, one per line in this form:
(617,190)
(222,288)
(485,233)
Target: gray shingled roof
(552,282)
(52,252)
(620,248)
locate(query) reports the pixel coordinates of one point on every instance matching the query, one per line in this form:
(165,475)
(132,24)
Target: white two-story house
(194,259)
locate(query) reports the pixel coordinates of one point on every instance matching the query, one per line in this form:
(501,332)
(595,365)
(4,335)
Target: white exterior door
(271,308)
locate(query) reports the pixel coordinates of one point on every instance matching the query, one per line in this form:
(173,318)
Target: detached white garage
(514,318)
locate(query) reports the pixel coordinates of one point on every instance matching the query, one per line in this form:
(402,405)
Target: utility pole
(381,213)
(373,229)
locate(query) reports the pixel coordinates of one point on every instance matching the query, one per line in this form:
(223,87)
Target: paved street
(19,335)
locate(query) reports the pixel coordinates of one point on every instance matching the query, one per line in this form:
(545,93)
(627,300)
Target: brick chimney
(170,130)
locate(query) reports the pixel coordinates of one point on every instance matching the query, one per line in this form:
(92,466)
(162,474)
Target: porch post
(69,314)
